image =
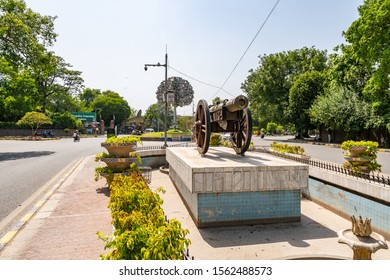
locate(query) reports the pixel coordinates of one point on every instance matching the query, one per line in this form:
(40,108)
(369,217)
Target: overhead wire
(254,38)
(220,88)
(197,80)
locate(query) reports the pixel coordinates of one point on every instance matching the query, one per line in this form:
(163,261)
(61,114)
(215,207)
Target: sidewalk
(66,225)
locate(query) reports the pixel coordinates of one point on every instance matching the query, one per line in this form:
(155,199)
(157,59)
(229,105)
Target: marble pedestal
(222,188)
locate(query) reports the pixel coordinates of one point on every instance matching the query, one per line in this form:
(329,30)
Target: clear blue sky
(111,40)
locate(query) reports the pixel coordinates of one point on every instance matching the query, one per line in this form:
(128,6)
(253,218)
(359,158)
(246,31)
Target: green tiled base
(236,208)
(239,208)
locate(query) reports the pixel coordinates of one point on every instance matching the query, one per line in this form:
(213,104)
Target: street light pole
(166,101)
(165,94)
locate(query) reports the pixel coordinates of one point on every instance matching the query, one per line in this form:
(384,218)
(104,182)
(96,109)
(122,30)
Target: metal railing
(370,177)
(160,147)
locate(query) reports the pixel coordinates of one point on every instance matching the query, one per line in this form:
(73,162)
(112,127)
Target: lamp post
(165,94)
(96,110)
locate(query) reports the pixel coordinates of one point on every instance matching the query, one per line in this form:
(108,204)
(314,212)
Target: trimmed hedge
(141,230)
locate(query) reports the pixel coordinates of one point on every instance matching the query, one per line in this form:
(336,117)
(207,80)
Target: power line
(239,61)
(199,81)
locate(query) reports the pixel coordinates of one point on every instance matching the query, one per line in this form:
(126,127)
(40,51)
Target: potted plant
(121,146)
(121,158)
(118,163)
(361,155)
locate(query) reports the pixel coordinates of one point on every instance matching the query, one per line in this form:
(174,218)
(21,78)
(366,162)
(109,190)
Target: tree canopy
(34,78)
(268,87)
(111,105)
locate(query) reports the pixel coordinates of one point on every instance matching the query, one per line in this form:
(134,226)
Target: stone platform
(222,188)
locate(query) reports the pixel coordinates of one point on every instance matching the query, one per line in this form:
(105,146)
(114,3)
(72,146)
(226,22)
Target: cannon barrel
(236,104)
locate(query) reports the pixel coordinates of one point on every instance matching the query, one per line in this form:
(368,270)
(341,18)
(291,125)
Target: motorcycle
(76,138)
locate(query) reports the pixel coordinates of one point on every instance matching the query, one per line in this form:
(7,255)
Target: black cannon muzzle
(236,104)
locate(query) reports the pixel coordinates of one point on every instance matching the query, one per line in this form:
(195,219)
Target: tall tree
(25,37)
(111,106)
(341,109)
(369,37)
(53,75)
(269,85)
(23,33)
(88,95)
(303,92)
(156,115)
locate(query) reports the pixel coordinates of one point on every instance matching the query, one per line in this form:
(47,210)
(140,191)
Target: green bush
(64,120)
(284,148)
(141,231)
(123,140)
(174,131)
(215,139)
(371,147)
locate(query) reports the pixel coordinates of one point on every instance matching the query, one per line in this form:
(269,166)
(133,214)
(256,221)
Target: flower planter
(119,149)
(118,163)
(357,159)
(355,150)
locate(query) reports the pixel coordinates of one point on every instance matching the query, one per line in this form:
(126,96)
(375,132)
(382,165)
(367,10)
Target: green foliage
(123,140)
(369,37)
(342,109)
(269,85)
(272,127)
(369,151)
(141,231)
(65,120)
(174,131)
(112,104)
(284,148)
(371,147)
(87,96)
(185,123)
(34,120)
(305,89)
(155,114)
(215,139)
(107,155)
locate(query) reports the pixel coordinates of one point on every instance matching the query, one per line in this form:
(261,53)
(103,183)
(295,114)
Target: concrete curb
(48,193)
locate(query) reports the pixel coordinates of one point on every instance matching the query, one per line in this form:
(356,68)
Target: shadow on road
(22,155)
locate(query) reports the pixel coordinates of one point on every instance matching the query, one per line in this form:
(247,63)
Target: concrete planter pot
(355,150)
(118,163)
(119,149)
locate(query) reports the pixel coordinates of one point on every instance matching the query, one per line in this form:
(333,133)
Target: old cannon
(231,116)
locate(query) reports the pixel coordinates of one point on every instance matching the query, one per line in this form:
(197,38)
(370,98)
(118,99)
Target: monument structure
(223,187)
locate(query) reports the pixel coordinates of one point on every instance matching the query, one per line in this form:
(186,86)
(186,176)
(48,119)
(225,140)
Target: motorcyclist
(76,135)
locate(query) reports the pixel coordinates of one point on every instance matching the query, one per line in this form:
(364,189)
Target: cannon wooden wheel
(242,134)
(202,127)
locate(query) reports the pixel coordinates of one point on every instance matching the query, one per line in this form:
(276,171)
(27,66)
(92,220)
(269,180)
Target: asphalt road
(26,166)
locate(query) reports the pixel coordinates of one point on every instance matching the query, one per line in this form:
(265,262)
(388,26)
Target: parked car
(149,130)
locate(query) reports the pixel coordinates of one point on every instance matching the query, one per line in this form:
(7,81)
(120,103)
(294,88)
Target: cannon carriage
(228,116)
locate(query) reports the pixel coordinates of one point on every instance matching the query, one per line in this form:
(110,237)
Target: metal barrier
(157,147)
(370,177)
(146,173)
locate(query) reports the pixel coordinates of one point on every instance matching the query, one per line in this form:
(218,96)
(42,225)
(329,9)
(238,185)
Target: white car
(149,130)
(225,136)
